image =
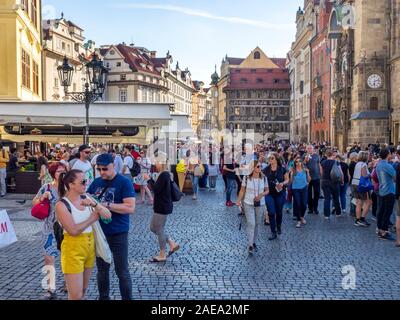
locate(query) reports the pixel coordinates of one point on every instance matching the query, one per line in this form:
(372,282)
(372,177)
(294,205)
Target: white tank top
(80,216)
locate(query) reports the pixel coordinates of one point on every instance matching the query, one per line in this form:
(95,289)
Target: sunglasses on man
(103,169)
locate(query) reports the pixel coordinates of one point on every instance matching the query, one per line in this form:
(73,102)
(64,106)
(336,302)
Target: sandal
(158,260)
(176,249)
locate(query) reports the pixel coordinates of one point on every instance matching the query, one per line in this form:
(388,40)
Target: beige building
(300,70)
(20,50)
(135,75)
(62,38)
(180,88)
(202,108)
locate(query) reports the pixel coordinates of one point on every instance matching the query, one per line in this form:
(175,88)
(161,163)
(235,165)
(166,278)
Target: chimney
(153,54)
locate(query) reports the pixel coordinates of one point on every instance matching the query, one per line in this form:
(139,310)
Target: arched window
(257,55)
(374,103)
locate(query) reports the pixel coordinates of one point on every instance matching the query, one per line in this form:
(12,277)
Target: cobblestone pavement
(213,262)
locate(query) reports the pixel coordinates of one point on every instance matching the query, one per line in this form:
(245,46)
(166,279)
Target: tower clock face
(374,81)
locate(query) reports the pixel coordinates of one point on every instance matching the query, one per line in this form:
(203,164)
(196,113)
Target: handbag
(7,232)
(365,185)
(102,248)
(199,171)
(41,211)
(176,194)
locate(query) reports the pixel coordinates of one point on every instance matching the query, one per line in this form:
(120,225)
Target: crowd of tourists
(88,188)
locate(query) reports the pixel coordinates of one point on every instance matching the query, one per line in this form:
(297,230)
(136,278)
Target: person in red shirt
(135,154)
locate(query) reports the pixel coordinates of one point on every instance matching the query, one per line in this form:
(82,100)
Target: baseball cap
(104,159)
(83,147)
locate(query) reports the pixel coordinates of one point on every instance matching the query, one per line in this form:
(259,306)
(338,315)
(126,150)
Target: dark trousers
(239,183)
(331,193)
(275,208)
(314,190)
(119,247)
(299,202)
(385,209)
(374,198)
(225,180)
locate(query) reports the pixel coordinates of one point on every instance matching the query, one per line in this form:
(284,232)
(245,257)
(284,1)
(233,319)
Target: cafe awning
(74,114)
(107,115)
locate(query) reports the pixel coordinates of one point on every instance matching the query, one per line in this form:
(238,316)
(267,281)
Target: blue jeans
(343,194)
(195,183)
(231,184)
(331,193)
(119,247)
(300,198)
(275,207)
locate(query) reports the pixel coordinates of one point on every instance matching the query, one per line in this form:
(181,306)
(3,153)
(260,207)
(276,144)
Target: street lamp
(94,86)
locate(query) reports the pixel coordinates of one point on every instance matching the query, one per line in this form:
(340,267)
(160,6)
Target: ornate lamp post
(94,86)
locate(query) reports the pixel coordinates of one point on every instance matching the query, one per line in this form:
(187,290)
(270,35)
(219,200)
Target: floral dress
(49,243)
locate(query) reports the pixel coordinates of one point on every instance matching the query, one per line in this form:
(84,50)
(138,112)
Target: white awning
(74,114)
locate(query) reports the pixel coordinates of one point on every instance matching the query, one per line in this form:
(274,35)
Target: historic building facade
(256,95)
(21,50)
(300,70)
(202,108)
(364,71)
(62,38)
(320,106)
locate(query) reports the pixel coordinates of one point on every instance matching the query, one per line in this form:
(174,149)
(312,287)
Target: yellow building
(20,50)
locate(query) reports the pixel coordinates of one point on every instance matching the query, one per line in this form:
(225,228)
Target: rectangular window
(123,95)
(34,13)
(26,69)
(63,46)
(56,83)
(123,77)
(35,77)
(118,64)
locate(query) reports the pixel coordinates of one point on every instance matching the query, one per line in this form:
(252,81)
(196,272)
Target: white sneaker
(194,198)
(298,225)
(304,221)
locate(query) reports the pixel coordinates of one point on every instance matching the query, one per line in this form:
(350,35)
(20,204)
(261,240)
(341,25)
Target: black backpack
(136,169)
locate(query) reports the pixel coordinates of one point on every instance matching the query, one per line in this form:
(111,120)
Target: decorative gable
(258,60)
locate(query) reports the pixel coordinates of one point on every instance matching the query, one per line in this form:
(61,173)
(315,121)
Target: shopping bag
(102,248)
(7,232)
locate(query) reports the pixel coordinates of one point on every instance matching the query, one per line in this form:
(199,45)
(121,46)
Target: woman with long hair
(299,179)
(278,179)
(43,167)
(253,191)
(163,207)
(76,212)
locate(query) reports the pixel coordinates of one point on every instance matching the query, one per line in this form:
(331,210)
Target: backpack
(336,173)
(58,229)
(136,169)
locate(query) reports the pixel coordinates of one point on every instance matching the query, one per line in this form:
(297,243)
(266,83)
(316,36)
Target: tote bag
(102,248)
(7,232)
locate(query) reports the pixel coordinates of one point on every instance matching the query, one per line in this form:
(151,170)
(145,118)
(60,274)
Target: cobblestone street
(213,262)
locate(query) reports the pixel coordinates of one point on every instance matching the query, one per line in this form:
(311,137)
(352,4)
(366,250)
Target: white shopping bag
(7,232)
(102,248)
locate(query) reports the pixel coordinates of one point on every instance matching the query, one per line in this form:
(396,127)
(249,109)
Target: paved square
(213,262)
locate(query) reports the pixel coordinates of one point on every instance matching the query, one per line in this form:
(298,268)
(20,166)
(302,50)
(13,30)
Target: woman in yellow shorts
(78,247)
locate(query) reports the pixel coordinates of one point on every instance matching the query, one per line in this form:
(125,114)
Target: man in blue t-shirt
(116,193)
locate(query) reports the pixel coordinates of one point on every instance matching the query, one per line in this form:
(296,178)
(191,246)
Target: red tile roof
(280,62)
(261,79)
(135,57)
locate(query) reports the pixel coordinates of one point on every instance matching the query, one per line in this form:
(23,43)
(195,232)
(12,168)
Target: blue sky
(197,33)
